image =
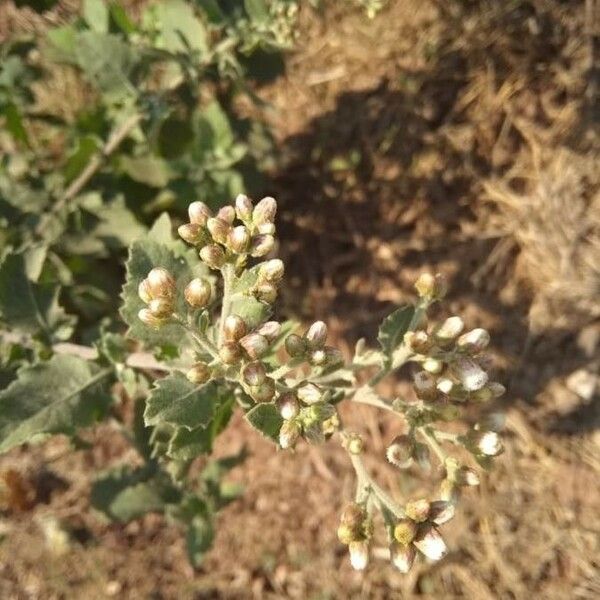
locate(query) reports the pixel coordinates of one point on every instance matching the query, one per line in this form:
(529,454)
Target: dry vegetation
(457,136)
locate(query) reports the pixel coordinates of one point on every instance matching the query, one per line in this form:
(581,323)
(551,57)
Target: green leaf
(120,18)
(149,170)
(31,307)
(199,539)
(179,27)
(244,304)
(266,419)
(178,402)
(95,14)
(392,330)
(14,123)
(87,146)
(59,396)
(257,10)
(124,494)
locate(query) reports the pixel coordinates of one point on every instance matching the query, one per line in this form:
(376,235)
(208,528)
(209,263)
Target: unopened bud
(353,515)
(213,255)
(359,555)
(199,213)
(289,434)
(263,392)
(474,341)
(316,335)
(431,287)
(346,534)
(466,476)
(430,543)
(261,245)
(146,317)
(321,411)
(445,385)
(318,357)
(254,373)
(487,443)
(270,329)
(310,393)
(227,214)
(264,211)
(449,330)
(425,385)
(288,406)
(400,451)
(441,511)
(266,228)
(433,366)
(418,341)
(190,233)
(402,557)
(218,229)
(234,328)
(417,510)
(405,531)
(496,388)
(197,293)
(255,345)
(199,373)
(239,239)
(229,353)
(160,283)
(243,208)
(354,443)
(271,270)
(161,307)
(144,291)
(295,346)
(469,373)
(266,292)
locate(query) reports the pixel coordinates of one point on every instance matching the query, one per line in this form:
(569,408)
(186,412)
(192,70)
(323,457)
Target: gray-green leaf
(392,330)
(266,419)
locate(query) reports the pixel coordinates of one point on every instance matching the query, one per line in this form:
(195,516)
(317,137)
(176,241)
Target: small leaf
(266,419)
(199,539)
(178,402)
(392,330)
(95,13)
(149,170)
(14,123)
(59,396)
(179,27)
(244,304)
(87,146)
(120,18)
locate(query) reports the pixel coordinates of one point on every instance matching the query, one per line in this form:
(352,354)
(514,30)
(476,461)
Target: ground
(393,131)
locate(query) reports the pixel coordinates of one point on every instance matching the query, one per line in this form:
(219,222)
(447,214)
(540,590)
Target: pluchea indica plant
(290,385)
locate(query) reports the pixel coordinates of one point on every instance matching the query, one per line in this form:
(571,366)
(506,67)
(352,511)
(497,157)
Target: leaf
(178,402)
(212,131)
(266,419)
(95,13)
(61,395)
(179,27)
(257,10)
(244,304)
(120,18)
(149,170)
(392,330)
(14,123)
(199,539)
(124,494)
(31,307)
(87,146)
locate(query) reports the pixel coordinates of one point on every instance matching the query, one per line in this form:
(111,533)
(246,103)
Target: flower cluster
(158,292)
(355,531)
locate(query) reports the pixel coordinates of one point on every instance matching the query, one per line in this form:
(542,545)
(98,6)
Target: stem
(228,273)
(433,444)
(200,340)
(366,395)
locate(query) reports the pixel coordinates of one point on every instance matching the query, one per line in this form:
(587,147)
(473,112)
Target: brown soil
(391,130)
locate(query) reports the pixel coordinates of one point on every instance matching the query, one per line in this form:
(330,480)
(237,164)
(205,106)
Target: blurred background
(458,136)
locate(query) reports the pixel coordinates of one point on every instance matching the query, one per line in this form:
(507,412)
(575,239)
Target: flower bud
(313,433)
(359,555)
(318,357)
(425,385)
(243,208)
(261,245)
(474,341)
(445,385)
(405,531)
(469,373)
(441,511)
(421,456)
(400,451)
(333,356)
(288,406)
(264,211)
(266,228)
(199,213)
(234,328)
(218,229)
(496,388)
(266,292)
(418,341)
(227,214)
(316,335)
(229,353)
(213,255)
(271,270)
(466,476)
(289,434)
(295,346)
(346,534)
(255,345)
(321,411)
(147,318)
(160,283)
(449,330)
(354,443)
(402,557)
(431,287)
(433,366)
(310,393)
(199,373)
(487,442)
(197,293)
(144,291)
(430,543)
(254,373)
(239,239)
(270,329)
(353,515)
(263,392)
(161,307)
(417,510)
(190,233)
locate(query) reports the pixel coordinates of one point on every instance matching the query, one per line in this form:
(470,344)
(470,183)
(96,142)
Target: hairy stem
(429,437)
